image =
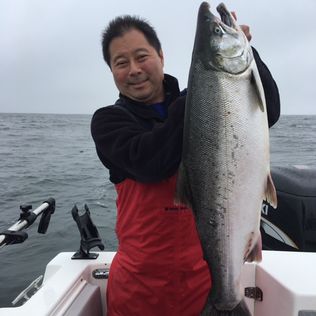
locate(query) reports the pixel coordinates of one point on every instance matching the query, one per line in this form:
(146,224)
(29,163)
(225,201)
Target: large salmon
(224,174)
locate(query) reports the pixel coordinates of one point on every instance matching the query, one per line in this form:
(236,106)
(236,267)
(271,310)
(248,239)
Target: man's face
(137,68)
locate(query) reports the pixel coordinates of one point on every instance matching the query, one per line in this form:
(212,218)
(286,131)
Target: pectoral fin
(183,193)
(256,81)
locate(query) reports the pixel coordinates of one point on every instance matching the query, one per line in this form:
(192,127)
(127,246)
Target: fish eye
(217,30)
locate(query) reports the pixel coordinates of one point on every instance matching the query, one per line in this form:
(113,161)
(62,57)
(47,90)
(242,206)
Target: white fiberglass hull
(287,280)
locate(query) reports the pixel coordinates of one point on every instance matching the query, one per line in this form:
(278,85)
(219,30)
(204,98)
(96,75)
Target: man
(159,268)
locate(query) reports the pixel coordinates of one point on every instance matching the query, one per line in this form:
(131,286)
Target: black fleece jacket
(133,141)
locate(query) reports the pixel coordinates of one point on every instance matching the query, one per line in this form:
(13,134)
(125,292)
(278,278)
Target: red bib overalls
(159,268)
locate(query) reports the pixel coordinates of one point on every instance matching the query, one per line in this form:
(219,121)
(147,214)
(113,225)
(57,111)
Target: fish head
(220,43)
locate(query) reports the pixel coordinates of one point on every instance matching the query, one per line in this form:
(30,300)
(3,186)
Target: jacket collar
(140,109)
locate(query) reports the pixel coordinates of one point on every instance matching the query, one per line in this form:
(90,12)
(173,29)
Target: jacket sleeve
(145,155)
(270,90)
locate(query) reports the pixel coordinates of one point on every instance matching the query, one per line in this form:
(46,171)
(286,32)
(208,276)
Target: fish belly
(223,173)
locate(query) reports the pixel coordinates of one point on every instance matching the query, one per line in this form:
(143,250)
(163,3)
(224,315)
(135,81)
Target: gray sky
(51,60)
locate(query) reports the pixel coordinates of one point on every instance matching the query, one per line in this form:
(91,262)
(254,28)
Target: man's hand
(244,28)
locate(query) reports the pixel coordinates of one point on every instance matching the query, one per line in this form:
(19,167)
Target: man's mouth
(137,83)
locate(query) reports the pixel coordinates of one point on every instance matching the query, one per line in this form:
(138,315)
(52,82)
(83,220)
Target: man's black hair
(122,24)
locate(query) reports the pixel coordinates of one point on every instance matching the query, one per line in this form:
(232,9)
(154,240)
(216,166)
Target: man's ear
(161,57)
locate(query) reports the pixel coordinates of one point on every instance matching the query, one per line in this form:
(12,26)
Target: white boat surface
(283,284)
(68,288)
(287,281)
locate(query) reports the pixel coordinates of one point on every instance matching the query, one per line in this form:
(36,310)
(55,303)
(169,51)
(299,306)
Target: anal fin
(270,194)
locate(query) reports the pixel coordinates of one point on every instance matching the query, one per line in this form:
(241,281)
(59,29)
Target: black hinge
(254,292)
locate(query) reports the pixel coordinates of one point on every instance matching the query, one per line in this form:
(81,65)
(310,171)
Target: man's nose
(134,68)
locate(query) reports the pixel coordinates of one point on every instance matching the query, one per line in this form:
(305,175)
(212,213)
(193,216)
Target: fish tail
(240,310)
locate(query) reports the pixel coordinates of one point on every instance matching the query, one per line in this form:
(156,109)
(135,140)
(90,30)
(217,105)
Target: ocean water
(48,155)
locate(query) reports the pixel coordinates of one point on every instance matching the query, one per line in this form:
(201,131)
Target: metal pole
(20,224)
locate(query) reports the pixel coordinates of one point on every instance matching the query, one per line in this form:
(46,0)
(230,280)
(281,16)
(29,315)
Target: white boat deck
(63,282)
(287,279)
(288,282)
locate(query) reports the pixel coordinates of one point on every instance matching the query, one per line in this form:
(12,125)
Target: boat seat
(88,302)
(296,181)
(292,226)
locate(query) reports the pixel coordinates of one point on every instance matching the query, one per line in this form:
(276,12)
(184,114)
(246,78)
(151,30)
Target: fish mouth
(226,16)
(222,41)
(227,19)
